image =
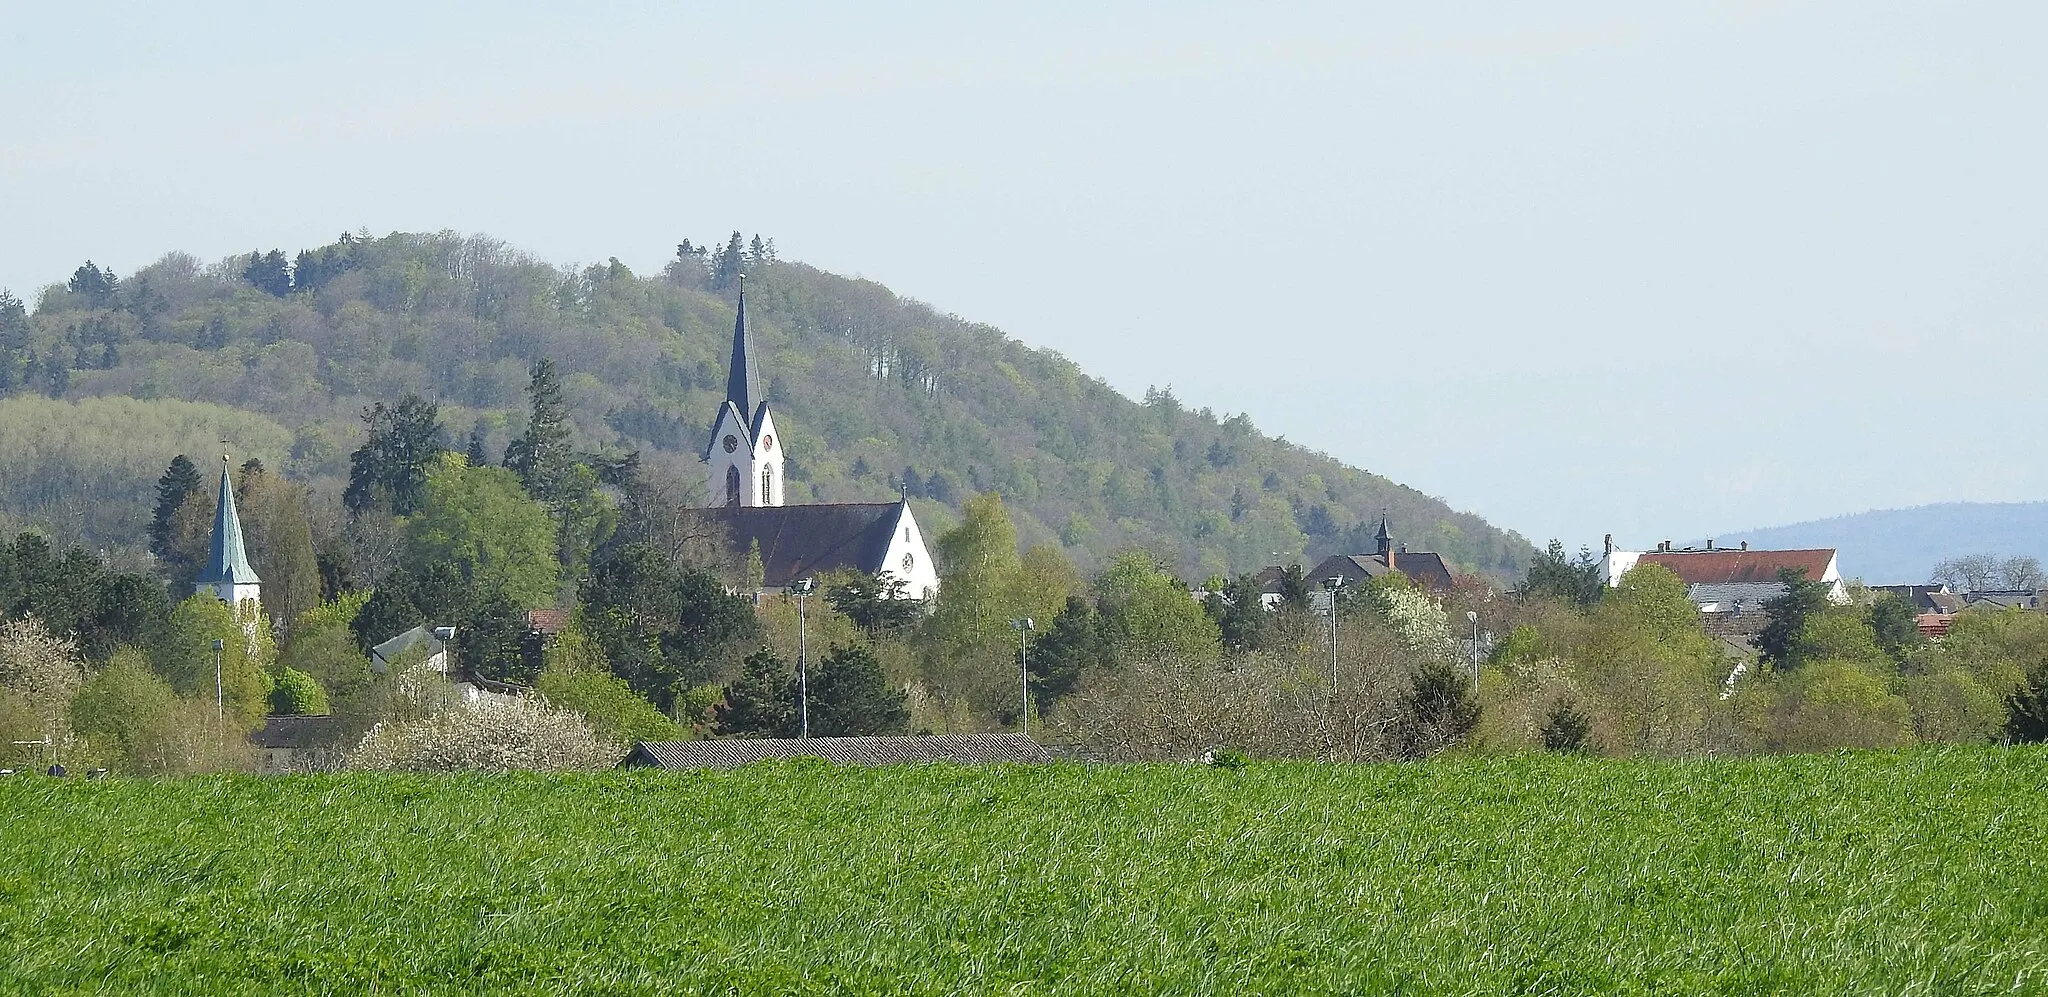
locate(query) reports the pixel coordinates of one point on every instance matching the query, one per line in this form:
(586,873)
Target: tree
(186,658)
(1650,676)
(475,454)
(297,694)
(875,603)
(727,265)
(1786,615)
(980,571)
(1566,730)
(1576,580)
(1438,712)
(1071,647)
(1830,704)
(269,272)
(178,483)
(575,678)
(492,640)
(392,465)
(1891,621)
(277,528)
(541,457)
(2026,709)
(2021,573)
(44,670)
(1146,612)
(120,706)
(95,285)
(479,521)
(850,696)
(1970,573)
(525,733)
(761,702)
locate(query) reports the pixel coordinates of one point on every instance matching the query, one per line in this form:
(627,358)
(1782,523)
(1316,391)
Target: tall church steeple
(743,458)
(228,572)
(739,378)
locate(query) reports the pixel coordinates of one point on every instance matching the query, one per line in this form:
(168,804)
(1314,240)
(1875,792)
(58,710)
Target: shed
(957,749)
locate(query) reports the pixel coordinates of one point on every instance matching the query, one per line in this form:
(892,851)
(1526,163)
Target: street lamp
(803,588)
(220,697)
(1332,584)
(1473,616)
(1023,628)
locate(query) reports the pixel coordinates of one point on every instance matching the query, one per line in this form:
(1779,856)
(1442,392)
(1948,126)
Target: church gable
(805,541)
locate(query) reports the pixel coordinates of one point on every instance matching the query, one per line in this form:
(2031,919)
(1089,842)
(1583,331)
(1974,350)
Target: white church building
(744,477)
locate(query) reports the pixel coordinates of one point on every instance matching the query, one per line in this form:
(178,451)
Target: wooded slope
(873,393)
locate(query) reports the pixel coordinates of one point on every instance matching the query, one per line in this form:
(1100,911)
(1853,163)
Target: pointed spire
(228,563)
(1385,536)
(739,379)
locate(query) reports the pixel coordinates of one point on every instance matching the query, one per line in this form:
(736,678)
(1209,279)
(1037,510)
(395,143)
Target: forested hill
(873,392)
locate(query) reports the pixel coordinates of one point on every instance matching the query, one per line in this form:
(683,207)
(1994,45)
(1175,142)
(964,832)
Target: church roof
(1424,568)
(227,563)
(799,541)
(959,749)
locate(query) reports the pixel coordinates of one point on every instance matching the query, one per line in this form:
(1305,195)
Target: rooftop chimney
(1745,545)
(1607,545)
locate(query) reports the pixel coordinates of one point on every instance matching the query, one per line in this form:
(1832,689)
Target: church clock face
(767,442)
(732,443)
(908,561)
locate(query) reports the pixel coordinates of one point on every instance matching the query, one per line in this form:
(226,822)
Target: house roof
(959,749)
(1731,596)
(293,732)
(547,621)
(1424,568)
(799,541)
(381,655)
(1708,567)
(227,562)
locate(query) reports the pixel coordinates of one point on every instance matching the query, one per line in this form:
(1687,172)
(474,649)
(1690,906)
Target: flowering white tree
(495,735)
(43,670)
(1418,619)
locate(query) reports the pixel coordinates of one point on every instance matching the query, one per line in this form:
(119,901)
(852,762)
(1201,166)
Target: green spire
(229,562)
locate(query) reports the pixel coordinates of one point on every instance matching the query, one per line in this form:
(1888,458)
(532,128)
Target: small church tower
(743,458)
(228,572)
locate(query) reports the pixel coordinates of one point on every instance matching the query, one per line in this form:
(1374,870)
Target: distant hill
(874,394)
(1890,546)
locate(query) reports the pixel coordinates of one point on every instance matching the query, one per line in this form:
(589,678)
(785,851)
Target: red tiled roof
(1934,624)
(547,621)
(1710,567)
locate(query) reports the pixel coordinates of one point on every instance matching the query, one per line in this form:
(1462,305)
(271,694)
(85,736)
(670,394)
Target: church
(745,484)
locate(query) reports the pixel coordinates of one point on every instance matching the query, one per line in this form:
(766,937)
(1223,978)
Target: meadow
(1898,873)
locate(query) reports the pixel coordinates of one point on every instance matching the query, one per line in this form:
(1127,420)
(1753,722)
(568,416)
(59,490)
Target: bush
(1438,712)
(522,734)
(2026,710)
(297,694)
(1567,730)
(1838,704)
(608,704)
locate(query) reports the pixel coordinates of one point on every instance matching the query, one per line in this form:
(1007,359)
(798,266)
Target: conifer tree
(761,702)
(179,481)
(851,697)
(541,457)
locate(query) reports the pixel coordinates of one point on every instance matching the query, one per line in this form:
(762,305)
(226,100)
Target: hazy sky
(1659,269)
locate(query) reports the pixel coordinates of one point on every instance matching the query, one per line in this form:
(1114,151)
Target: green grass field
(1923,872)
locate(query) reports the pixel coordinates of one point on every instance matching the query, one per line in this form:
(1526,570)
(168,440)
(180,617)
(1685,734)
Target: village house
(1425,569)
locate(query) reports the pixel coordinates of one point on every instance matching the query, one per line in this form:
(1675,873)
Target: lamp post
(803,588)
(220,697)
(1472,615)
(1023,628)
(1332,584)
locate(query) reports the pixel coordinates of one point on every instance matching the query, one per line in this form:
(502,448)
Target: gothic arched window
(767,485)
(732,486)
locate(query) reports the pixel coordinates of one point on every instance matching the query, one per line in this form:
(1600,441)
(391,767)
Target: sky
(1655,270)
